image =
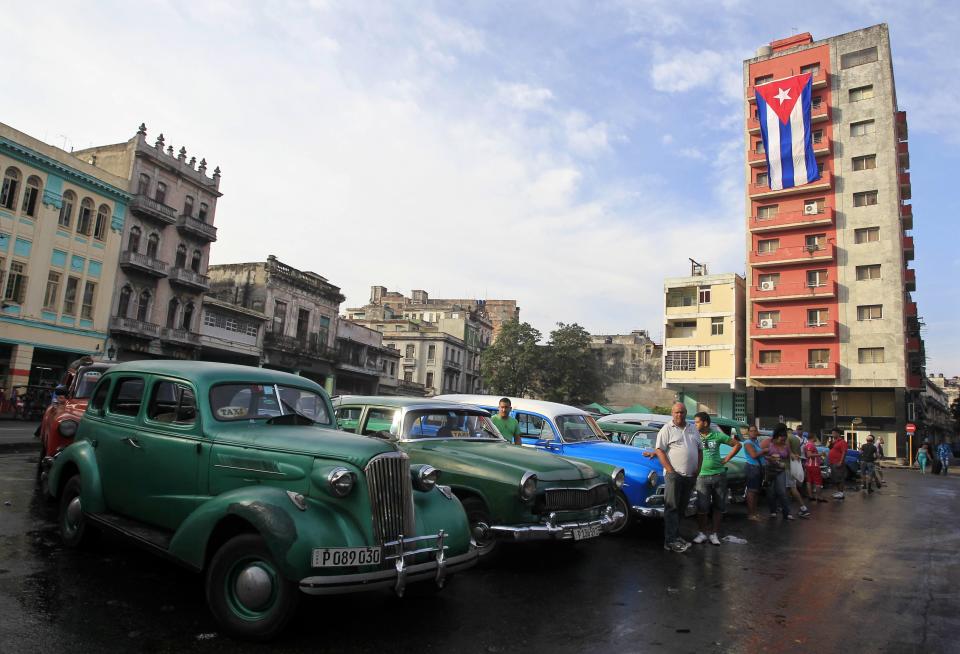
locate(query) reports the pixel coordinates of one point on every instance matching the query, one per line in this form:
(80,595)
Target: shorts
(754,477)
(712,491)
(838,472)
(814,476)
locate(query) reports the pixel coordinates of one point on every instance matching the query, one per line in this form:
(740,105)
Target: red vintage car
(61,419)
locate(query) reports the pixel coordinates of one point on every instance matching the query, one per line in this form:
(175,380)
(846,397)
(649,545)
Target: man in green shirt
(507,426)
(712,481)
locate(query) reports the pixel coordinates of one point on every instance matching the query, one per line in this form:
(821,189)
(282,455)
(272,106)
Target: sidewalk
(16,436)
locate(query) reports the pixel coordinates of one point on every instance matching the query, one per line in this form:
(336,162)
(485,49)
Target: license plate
(583,533)
(335,557)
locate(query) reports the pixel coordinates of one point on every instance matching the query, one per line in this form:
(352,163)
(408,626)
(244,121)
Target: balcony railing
(450,363)
(409,361)
(798,369)
(819,82)
(758,191)
(186,277)
(134,327)
(196,227)
(794,291)
(801,329)
(817,115)
(182,336)
(792,220)
(821,148)
(906,215)
(905,191)
(902,132)
(910,279)
(150,208)
(913,344)
(793,254)
(130,260)
(309,346)
(910,309)
(908,247)
(915,382)
(903,151)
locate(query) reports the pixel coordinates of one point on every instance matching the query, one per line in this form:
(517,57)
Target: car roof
(655,417)
(626,427)
(403,402)
(550,409)
(209,373)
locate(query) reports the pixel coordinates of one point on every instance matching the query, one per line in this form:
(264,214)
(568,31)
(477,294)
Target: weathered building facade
(632,366)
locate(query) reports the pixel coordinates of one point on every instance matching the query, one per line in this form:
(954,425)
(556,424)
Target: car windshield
(448,423)
(87,378)
(578,427)
(231,402)
(643,439)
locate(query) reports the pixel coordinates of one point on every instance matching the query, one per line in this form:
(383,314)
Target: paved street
(17,432)
(873,574)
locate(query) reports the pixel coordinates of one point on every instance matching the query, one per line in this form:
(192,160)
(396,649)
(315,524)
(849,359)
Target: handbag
(771,469)
(796,470)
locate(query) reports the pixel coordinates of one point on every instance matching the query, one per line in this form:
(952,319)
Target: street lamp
(834,396)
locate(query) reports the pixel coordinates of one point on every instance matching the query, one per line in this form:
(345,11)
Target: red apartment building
(833,335)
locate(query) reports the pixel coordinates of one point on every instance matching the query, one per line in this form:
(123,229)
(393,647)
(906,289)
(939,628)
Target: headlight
(528,486)
(424,477)
(653,478)
(68,428)
(618,477)
(340,481)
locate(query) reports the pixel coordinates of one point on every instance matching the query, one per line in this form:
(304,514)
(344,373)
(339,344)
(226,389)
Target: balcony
(453,365)
(906,215)
(795,370)
(910,309)
(154,210)
(819,82)
(802,329)
(180,336)
(913,344)
(791,220)
(821,148)
(817,115)
(902,132)
(762,191)
(905,193)
(792,255)
(915,382)
(409,362)
(306,346)
(903,152)
(196,227)
(189,279)
(794,291)
(130,260)
(134,327)
(910,279)
(908,248)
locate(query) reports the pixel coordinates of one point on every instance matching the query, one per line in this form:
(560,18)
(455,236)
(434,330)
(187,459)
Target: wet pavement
(875,573)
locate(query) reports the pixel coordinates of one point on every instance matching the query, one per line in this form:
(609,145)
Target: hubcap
(254,587)
(74,515)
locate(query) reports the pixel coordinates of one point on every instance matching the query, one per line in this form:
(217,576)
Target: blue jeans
(777,494)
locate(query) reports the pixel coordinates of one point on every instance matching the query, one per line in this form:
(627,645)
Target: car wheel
(621,504)
(479,518)
(246,592)
(74,526)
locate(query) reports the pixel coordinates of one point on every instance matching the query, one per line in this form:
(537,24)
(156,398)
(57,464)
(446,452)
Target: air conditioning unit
(766,323)
(810,210)
(767,286)
(819,364)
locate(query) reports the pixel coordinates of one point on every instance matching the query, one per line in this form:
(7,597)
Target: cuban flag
(784,111)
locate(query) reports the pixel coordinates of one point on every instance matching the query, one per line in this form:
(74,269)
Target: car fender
(636,488)
(82,458)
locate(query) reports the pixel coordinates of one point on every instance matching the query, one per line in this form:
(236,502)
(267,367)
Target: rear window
(87,379)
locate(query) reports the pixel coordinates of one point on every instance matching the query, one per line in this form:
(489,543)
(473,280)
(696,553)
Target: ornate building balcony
(197,228)
(130,260)
(180,336)
(150,208)
(134,327)
(189,279)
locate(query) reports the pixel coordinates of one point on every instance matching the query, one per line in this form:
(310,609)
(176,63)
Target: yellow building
(703,345)
(60,226)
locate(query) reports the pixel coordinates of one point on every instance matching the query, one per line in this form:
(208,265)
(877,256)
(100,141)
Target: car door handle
(132,442)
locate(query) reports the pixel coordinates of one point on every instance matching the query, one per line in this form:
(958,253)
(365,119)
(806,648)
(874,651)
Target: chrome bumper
(553,529)
(653,506)
(401,573)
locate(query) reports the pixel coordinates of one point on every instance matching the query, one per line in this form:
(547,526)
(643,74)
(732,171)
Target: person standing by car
(712,481)
(868,458)
(777,454)
(944,453)
(753,471)
(838,469)
(791,482)
(680,452)
(812,464)
(506,425)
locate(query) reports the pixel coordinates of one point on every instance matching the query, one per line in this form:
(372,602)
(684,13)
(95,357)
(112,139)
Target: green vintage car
(509,493)
(237,472)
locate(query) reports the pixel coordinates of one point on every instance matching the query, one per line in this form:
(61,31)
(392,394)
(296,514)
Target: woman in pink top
(777,454)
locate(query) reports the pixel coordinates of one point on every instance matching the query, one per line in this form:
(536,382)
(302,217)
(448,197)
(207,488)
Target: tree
(510,366)
(571,372)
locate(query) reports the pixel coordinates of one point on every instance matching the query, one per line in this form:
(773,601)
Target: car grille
(391,496)
(575,499)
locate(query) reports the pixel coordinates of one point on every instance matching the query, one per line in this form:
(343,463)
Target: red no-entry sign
(911,428)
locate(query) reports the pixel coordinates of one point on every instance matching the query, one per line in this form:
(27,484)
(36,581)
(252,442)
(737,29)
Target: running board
(154,539)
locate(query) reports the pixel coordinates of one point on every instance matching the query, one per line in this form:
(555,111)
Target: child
(812,464)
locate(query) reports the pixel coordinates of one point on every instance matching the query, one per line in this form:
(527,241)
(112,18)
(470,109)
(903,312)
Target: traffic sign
(857,421)
(911,428)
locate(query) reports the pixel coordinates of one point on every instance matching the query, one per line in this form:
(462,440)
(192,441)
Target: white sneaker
(838,496)
(700,539)
(714,540)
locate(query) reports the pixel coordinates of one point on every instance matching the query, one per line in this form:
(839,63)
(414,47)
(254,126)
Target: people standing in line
(923,458)
(712,480)
(944,453)
(680,452)
(812,464)
(838,466)
(796,449)
(509,427)
(753,470)
(776,452)
(868,458)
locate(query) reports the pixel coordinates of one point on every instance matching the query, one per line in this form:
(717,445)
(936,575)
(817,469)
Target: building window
(143,184)
(181,260)
(863,128)
(866,235)
(16,289)
(870,312)
(280,316)
(704,295)
(868,272)
(11,187)
(324,331)
(865,198)
(861,93)
(431,353)
(816,317)
(767,212)
(133,243)
(819,358)
(85,217)
(703,358)
(89,294)
(160,195)
(759,148)
(100,227)
(716,326)
(768,281)
(70,296)
(768,357)
(858,58)
(195,261)
(866,162)
(173,306)
(393,369)
(52,295)
(763,79)
(66,209)
(771,318)
(816,102)
(816,278)
(870,355)
(812,69)
(202,215)
(153,245)
(762,179)
(31,197)
(409,351)
(188,206)
(430,379)
(768,245)
(123,305)
(187,316)
(303,324)
(680,361)
(408,376)
(815,206)
(814,242)
(818,136)
(143,306)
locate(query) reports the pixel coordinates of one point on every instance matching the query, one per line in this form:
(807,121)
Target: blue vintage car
(574,434)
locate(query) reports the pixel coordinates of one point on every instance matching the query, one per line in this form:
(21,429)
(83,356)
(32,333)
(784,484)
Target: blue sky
(569,155)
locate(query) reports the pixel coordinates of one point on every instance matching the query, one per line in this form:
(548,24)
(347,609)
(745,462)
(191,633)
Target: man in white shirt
(681,453)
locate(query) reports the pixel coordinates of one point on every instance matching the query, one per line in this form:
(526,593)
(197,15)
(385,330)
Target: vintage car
(509,493)
(61,419)
(574,434)
(239,473)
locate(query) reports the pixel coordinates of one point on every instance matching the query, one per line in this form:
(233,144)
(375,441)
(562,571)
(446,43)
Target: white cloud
(523,96)
(585,136)
(678,70)
(692,153)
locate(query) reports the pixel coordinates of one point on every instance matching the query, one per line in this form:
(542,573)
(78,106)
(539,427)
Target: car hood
(613,453)
(499,456)
(310,440)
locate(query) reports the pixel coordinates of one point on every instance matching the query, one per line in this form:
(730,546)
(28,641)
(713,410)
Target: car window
(99,395)
(449,423)
(534,426)
(127,396)
(348,417)
(230,402)
(87,379)
(379,420)
(172,402)
(643,439)
(578,427)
